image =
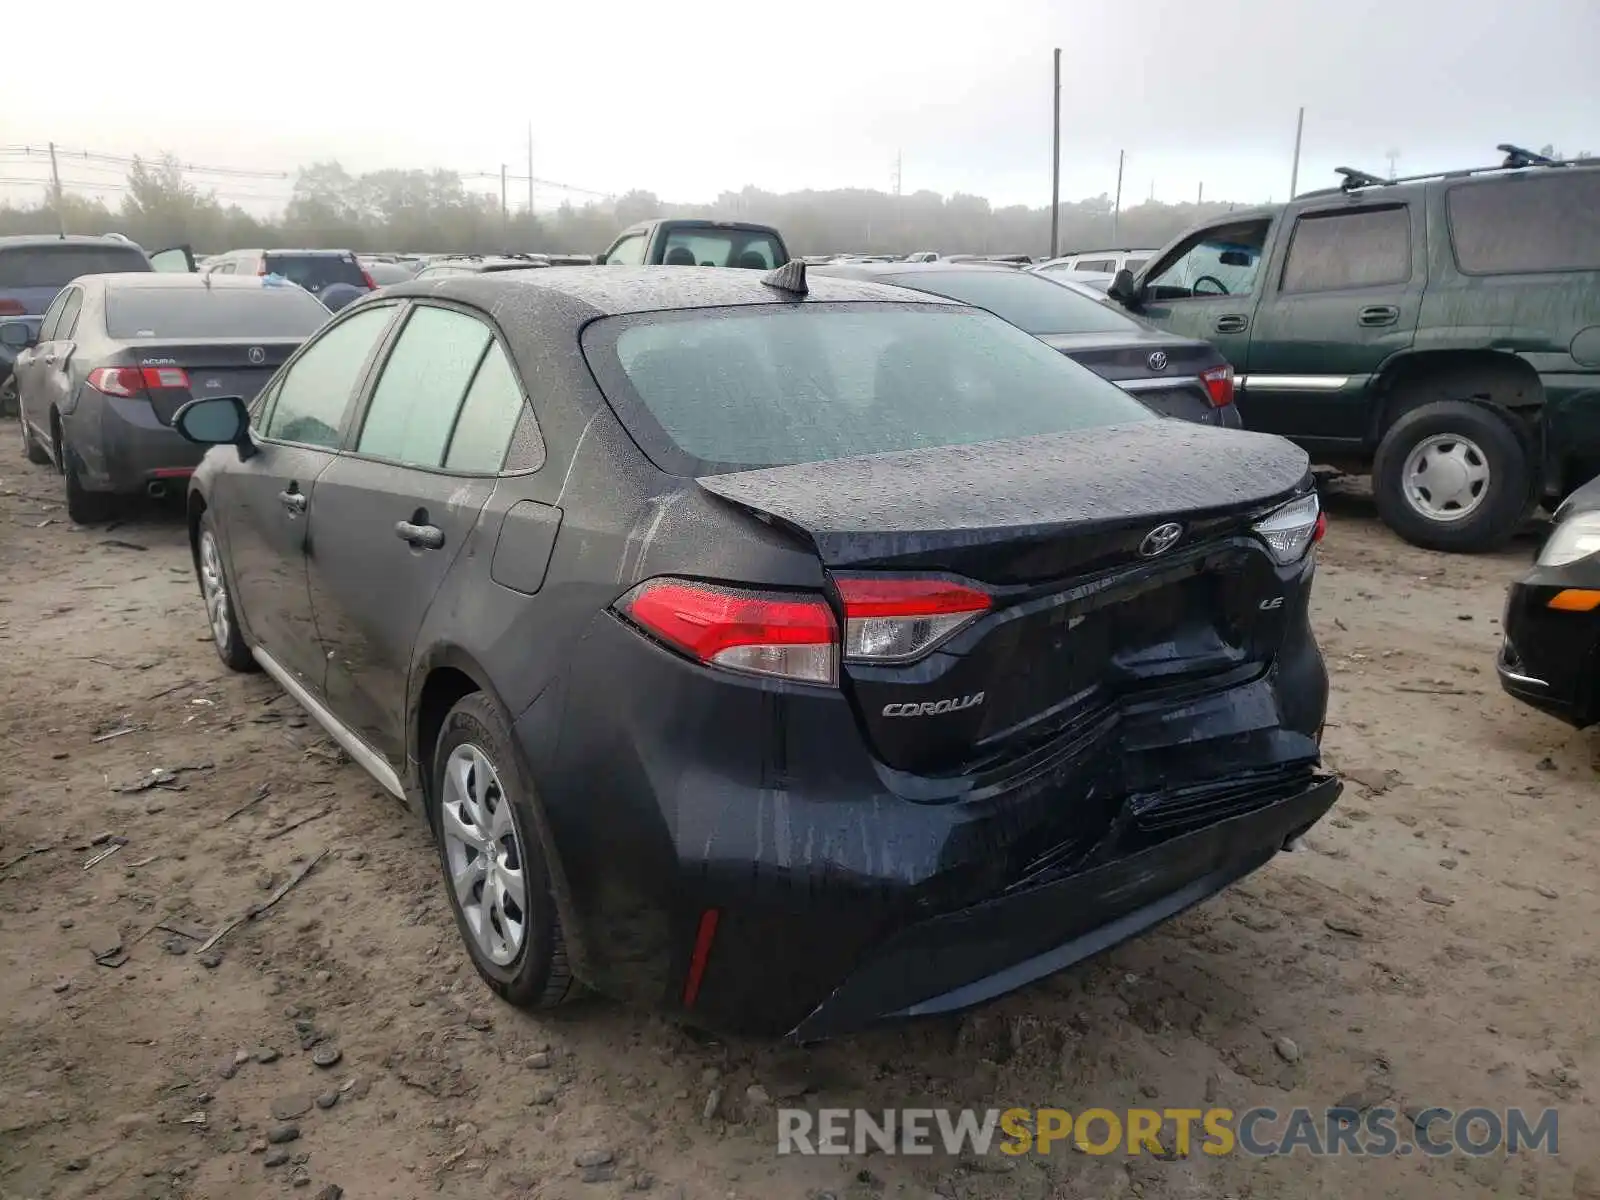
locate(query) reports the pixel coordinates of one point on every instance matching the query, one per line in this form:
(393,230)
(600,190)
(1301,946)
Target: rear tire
(488,838)
(83,506)
(1453,476)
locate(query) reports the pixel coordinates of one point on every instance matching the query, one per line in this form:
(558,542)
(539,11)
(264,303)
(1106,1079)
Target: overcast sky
(690,100)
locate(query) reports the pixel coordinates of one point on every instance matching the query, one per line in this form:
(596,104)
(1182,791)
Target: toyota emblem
(257,355)
(1160,539)
(1158,361)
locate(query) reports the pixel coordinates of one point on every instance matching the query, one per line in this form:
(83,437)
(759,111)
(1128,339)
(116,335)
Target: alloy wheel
(1446,477)
(215,590)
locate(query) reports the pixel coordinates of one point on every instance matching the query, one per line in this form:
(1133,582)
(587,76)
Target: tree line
(433,211)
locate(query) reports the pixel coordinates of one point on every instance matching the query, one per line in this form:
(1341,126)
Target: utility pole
(1294,171)
(1055,163)
(504,213)
(1152,191)
(1394,158)
(899,209)
(55,191)
(1200,194)
(1116,210)
(530,169)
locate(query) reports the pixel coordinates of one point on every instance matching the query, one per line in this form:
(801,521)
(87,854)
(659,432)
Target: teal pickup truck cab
(1441,332)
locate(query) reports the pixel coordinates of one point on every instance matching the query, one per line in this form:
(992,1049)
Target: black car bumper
(964,958)
(1549,656)
(123,447)
(731,849)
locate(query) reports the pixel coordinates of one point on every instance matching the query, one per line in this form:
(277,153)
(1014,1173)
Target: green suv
(1441,332)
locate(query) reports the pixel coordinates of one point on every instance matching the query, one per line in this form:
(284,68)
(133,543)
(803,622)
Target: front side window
(52,316)
(422,386)
(629,252)
(1354,249)
(713,390)
(1544,222)
(312,398)
(1224,261)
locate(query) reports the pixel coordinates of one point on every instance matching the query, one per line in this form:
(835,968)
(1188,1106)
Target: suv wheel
(83,506)
(221,611)
(1453,476)
(494,865)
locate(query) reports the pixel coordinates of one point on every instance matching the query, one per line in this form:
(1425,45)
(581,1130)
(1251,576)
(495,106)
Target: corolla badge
(933,708)
(256,355)
(1158,361)
(1160,539)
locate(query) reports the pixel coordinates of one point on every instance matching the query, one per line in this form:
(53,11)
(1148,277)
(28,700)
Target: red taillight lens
(758,633)
(117,381)
(263,269)
(1321,529)
(366,278)
(132,381)
(1219,385)
(895,620)
(12,308)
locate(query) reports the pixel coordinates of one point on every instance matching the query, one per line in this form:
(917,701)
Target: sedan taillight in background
(132,381)
(12,308)
(1219,385)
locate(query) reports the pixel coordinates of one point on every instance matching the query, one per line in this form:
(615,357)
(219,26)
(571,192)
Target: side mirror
(1123,290)
(17,335)
(216,421)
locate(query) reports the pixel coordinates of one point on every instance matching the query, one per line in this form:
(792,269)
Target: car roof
(588,292)
(71,239)
(287,250)
(871,270)
(176,281)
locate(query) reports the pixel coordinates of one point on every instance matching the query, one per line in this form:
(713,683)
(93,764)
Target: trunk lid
(215,367)
(1052,528)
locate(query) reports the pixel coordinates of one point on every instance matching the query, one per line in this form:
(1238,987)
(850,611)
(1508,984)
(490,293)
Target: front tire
(1453,476)
(221,612)
(37,454)
(495,870)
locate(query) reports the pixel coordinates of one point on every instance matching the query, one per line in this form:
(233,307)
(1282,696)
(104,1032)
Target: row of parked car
(952,659)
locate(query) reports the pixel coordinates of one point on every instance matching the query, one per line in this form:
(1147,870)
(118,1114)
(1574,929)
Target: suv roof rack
(1516,159)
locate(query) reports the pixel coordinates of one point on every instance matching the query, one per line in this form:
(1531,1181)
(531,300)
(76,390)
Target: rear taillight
(1219,385)
(12,308)
(772,634)
(1293,529)
(895,620)
(132,381)
(263,269)
(366,278)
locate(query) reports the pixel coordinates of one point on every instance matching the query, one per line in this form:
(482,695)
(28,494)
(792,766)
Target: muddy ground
(1434,943)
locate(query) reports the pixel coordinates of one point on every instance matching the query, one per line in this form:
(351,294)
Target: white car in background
(1104,262)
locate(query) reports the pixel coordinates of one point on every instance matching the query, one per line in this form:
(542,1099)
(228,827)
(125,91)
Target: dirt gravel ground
(1434,943)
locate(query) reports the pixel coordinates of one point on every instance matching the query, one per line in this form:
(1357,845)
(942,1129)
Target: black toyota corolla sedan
(1550,653)
(793,656)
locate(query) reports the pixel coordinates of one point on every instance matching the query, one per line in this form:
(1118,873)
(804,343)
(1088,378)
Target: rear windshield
(722,248)
(730,389)
(1027,301)
(316,271)
(57,266)
(145,312)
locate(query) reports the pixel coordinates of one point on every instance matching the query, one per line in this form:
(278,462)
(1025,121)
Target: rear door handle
(1379,314)
(1232,323)
(294,501)
(423,537)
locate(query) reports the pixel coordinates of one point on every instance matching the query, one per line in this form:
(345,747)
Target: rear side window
(1094,264)
(57,266)
(1133,264)
(1364,248)
(1545,222)
(423,383)
(68,323)
(629,252)
(316,271)
(722,248)
(729,389)
(489,414)
(313,396)
(202,312)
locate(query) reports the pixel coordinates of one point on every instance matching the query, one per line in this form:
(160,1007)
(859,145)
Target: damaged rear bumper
(964,958)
